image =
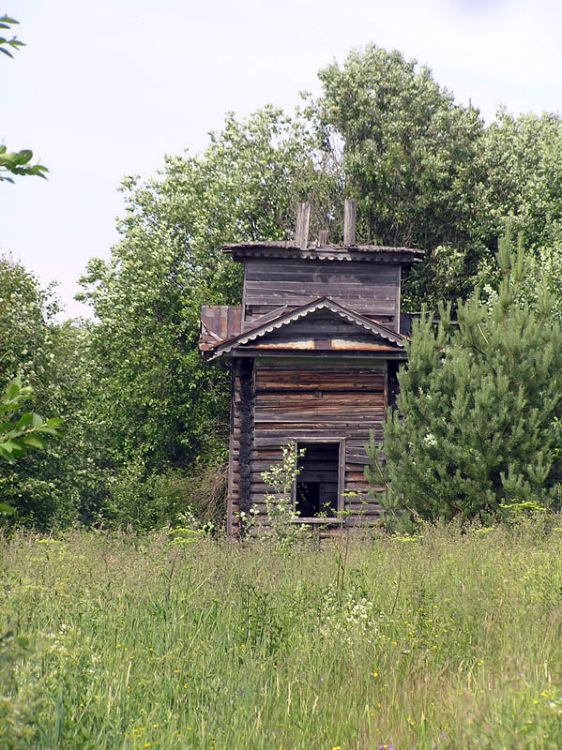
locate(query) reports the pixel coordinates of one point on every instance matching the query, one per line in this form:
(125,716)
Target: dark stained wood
(366,253)
(246,370)
(233,489)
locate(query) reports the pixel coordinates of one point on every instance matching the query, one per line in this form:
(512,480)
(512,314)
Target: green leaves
(478,421)
(23,433)
(20,434)
(7,45)
(17,163)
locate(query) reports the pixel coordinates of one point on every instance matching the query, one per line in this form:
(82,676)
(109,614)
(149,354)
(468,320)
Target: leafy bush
(281,520)
(45,487)
(149,501)
(20,432)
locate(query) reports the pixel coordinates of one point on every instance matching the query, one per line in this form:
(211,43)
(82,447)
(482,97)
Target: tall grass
(452,640)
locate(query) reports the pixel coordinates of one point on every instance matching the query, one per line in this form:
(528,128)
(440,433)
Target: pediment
(322,325)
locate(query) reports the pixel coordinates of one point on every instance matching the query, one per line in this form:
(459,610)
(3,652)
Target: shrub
(479,417)
(149,501)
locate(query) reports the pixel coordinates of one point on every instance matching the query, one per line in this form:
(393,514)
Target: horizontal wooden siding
(368,289)
(318,400)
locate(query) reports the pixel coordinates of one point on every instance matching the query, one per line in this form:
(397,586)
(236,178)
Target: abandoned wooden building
(315,346)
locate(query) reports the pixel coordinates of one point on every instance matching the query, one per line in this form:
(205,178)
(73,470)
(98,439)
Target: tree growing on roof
(478,426)
(413,158)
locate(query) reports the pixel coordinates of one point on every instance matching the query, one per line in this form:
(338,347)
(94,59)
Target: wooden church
(315,347)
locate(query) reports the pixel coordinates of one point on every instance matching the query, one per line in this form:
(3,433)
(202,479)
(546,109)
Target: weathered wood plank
(372,306)
(349,217)
(336,288)
(362,288)
(315,270)
(302,225)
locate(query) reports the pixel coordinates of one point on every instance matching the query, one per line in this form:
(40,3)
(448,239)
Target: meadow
(170,641)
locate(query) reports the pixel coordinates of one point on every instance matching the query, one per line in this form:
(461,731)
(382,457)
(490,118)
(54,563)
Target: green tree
(44,487)
(20,431)
(524,158)
(155,401)
(427,172)
(412,156)
(479,418)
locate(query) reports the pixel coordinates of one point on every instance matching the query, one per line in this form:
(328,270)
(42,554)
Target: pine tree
(478,423)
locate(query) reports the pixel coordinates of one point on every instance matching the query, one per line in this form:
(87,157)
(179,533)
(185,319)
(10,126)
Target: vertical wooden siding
(326,399)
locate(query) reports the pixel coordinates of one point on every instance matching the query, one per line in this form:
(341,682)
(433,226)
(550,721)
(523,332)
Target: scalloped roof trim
(322,303)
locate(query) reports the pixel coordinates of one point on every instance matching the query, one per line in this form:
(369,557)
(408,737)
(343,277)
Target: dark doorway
(318,480)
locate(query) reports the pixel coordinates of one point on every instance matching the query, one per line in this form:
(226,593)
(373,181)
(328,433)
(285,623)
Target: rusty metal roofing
(329,252)
(219,323)
(322,303)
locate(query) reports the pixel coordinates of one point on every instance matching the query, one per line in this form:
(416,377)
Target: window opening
(318,480)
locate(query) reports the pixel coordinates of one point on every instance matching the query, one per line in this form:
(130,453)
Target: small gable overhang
(219,323)
(366,335)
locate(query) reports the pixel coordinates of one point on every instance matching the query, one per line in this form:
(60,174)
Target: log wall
(241,436)
(369,289)
(294,400)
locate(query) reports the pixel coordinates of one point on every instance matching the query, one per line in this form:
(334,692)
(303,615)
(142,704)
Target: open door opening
(317,484)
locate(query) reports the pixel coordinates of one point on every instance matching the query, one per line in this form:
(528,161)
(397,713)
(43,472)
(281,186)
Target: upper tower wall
(365,279)
(373,291)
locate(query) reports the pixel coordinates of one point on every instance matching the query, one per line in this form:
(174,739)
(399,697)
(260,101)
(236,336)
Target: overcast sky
(106,88)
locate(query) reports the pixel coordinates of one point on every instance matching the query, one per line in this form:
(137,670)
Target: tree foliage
(524,163)
(9,45)
(154,399)
(412,156)
(20,433)
(45,487)
(428,172)
(479,418)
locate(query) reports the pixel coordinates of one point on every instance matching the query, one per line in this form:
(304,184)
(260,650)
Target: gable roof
(323,303)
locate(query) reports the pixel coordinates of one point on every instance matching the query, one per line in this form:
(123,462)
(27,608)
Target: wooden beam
(303,224)
(349,214)
(323,237)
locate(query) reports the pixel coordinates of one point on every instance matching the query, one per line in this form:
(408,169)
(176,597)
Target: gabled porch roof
(391,341)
